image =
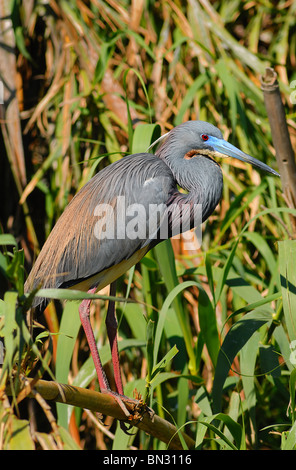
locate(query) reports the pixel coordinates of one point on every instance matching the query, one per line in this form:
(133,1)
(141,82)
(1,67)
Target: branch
(106,405)
(280,136)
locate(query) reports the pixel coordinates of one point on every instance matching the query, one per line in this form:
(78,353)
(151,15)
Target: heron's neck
(204,183)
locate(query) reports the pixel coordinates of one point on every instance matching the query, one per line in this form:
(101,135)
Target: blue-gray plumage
(78,254)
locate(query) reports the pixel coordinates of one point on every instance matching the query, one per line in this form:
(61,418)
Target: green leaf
(10,327)
(20,437)
(287,263)
(287,349)
(230,84)
(162,315)
(261,244)
(7,239)
(241,287)
(163,376)
(20,42)
(292,389)
(248,356)
(198,83)
(289,442)
(149,349)
(144,135)
(162,364)
(106,52)
(15,270)
(269,360)
(208,325)
(68,440)
(72,294)
(202,400)
(166,261)
(134,316)
(235,339)
(234,428)
(69,327)
(229,219)
(224,273)
(18,29)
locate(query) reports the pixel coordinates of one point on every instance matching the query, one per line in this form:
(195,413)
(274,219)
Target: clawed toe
(134,409)
(126,428)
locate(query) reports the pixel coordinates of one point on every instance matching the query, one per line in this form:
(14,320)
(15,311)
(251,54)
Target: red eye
(204,137)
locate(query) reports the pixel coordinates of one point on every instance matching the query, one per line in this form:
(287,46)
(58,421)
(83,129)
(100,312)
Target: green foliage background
(95,79)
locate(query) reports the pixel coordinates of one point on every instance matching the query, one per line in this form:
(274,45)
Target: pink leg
(85,321)
(103,382)
(111,324)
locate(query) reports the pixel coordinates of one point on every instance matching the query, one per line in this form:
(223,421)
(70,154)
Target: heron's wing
(106,223)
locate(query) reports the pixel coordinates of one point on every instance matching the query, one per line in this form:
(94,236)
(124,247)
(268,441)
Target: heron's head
(184,146)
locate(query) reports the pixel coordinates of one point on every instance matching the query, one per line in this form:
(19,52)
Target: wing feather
(78,246)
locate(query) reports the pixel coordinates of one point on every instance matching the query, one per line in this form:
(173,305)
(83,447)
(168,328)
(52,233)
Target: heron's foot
(133,408)
(137,411)
(140,408)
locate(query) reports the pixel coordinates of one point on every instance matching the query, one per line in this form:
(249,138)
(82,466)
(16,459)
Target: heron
(89,248)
